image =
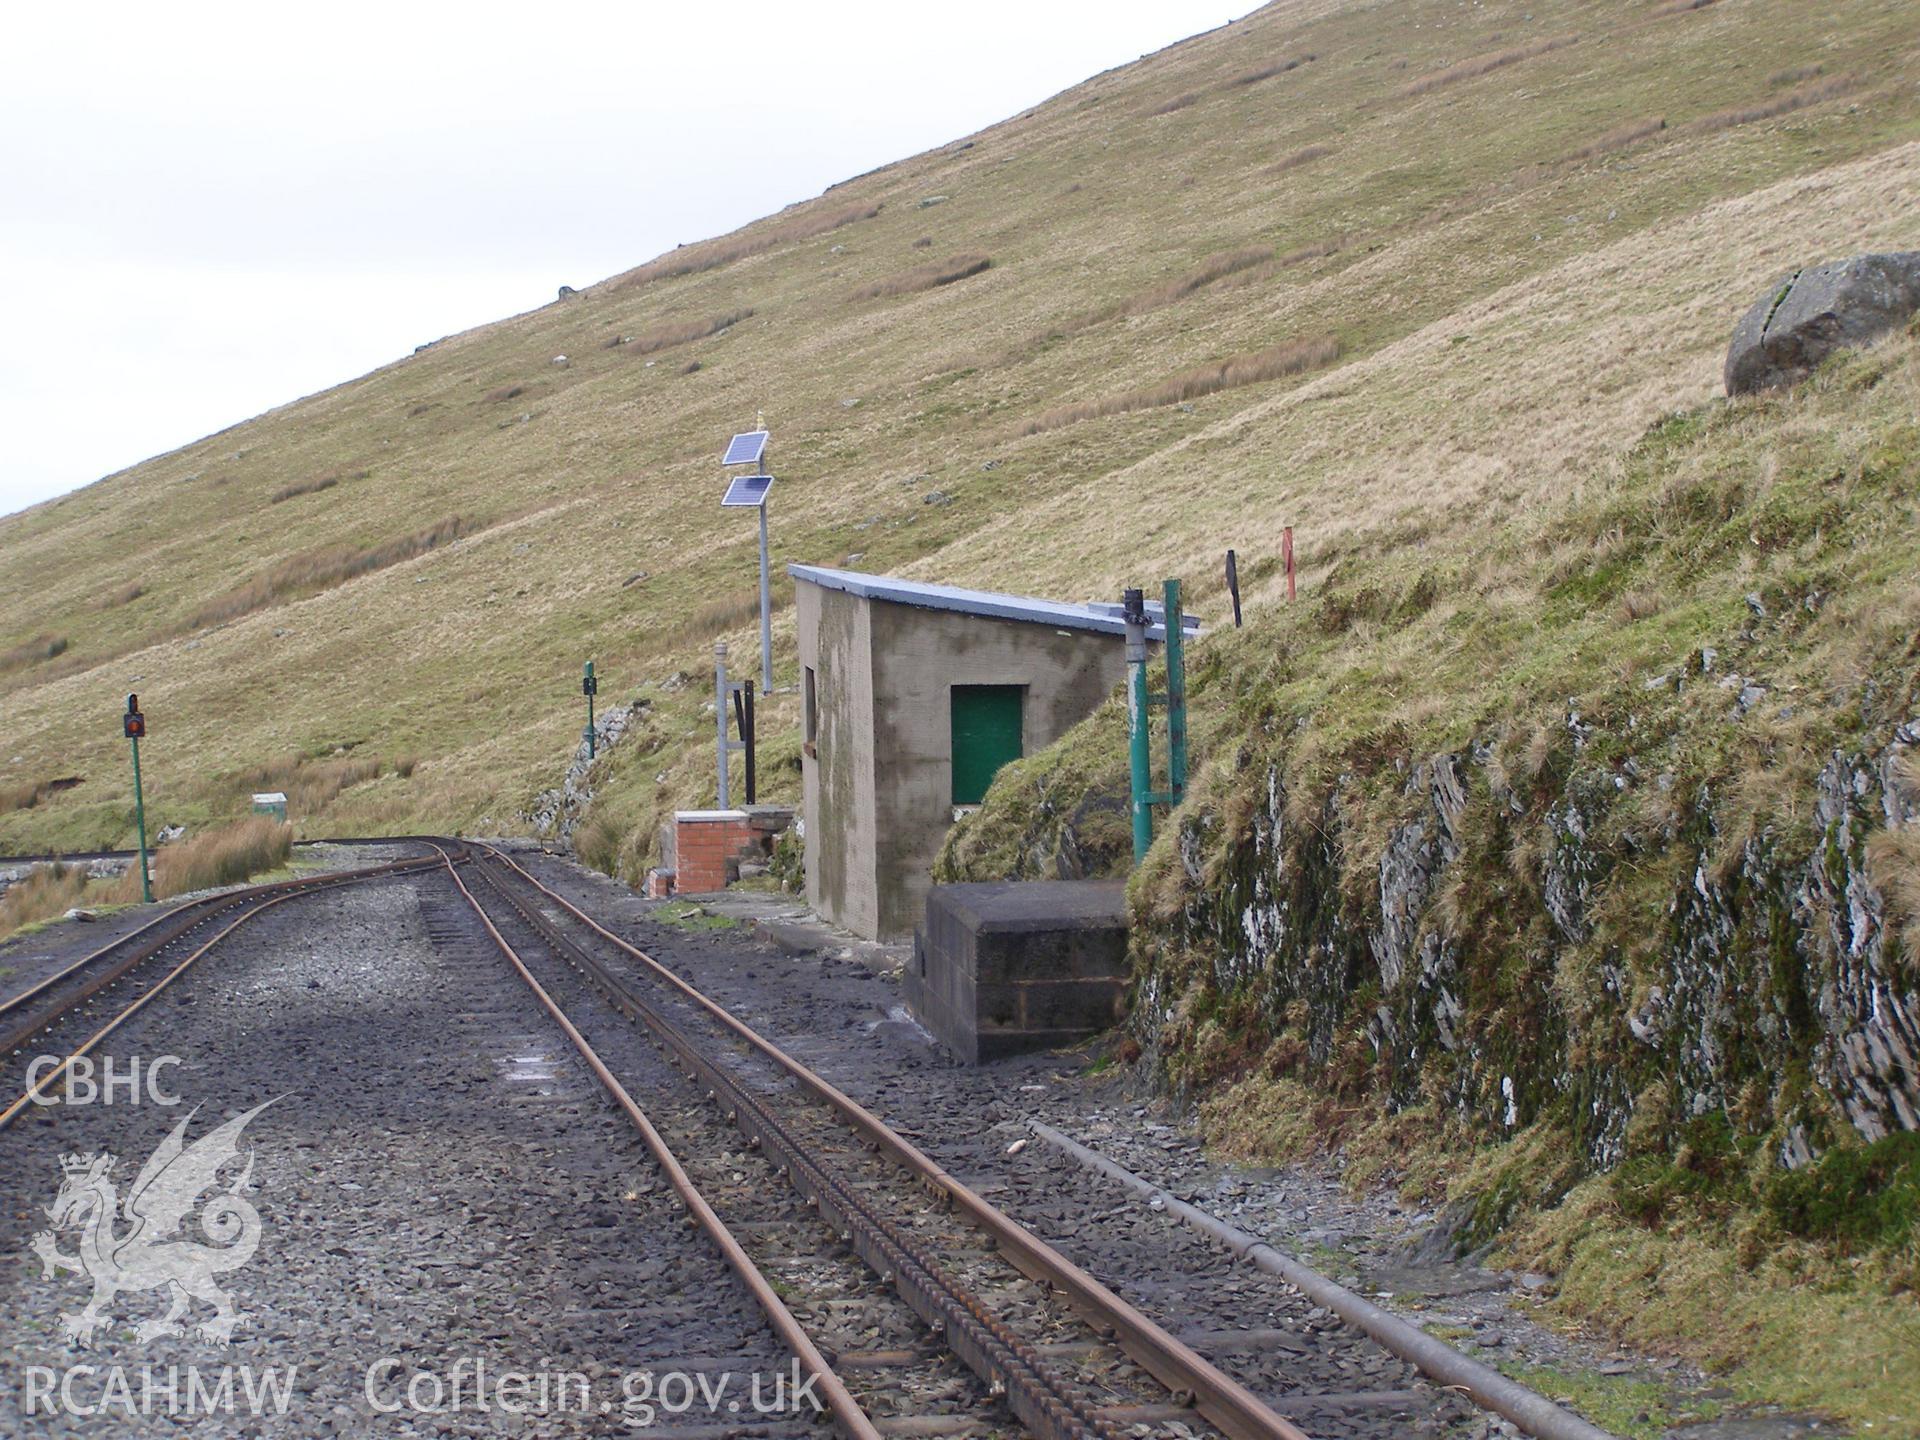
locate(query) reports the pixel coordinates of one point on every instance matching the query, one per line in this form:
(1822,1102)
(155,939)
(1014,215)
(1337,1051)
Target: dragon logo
(153,1252)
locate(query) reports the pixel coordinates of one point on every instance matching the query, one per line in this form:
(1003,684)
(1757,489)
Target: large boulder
(1804,316)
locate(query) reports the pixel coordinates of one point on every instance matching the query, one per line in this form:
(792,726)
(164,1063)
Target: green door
(986,735)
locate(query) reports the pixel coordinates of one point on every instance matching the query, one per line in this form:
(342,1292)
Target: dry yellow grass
(315,485)
(1305,155)
(1475,66)
(1267,72)
(1318,250)
(1276,361)
(31,652)
(228,855)
(323,568)
(757,240)
(25,794)
(1772,109)
(1214,267)
(930,276)
(1178,102)
(1894,856)
(49,891)
(1618,138)
(679,332)
(1445,421)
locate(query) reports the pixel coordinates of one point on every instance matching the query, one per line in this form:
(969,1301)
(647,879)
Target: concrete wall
(837,781)
(878,791)
(918,656)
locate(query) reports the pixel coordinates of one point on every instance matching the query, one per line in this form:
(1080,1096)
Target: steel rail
(1221,1400)
(209,907)
(1049,1406)
(287,890)
(851,1420)
(210,904)
(84,857)
(14,1002)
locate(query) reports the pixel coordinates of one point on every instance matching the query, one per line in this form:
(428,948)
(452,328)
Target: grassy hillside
(1568,878)
(1374,270)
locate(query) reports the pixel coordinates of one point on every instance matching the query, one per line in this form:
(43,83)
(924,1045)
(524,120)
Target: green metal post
(1176,698)
(1139,723)
(140,816)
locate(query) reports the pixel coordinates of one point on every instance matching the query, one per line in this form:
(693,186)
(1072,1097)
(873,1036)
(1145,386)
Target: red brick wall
(707,844)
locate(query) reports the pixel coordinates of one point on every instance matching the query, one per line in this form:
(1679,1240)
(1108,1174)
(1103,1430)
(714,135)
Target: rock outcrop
(1775,995)
(1805,316)
(557,812)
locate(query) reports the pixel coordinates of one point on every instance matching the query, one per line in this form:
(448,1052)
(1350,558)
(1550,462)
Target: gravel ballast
(848,1022)
(440,1185)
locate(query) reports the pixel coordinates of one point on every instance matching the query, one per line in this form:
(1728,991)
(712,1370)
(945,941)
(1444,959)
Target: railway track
(922,1309)
(130,971)
(1055,1352)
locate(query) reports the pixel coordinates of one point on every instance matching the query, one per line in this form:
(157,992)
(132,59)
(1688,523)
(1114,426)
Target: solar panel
(748,490)
(746,449)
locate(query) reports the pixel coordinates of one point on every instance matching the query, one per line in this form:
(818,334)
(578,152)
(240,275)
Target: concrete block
(770,820)
(1003,968)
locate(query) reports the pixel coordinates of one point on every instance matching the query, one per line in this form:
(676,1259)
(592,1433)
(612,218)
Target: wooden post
(1286,556)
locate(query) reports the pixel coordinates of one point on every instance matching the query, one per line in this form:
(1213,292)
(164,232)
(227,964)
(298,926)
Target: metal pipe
(1482,1384)
(766,612)
(720,716)
(1176,697)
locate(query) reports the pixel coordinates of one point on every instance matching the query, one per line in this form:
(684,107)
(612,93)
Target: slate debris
(838,1017)
(425,1192)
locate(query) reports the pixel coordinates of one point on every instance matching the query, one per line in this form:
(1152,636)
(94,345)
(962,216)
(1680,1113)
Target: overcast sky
(207,209)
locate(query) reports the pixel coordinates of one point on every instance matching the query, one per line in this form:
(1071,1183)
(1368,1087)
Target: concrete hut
(913,696)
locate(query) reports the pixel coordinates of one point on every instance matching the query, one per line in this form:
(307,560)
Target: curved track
(138,966)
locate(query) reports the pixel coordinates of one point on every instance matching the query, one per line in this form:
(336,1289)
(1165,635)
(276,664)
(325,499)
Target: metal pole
(1139,728)
(766,612)
(140,817)
(1176,697)
(720,716)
